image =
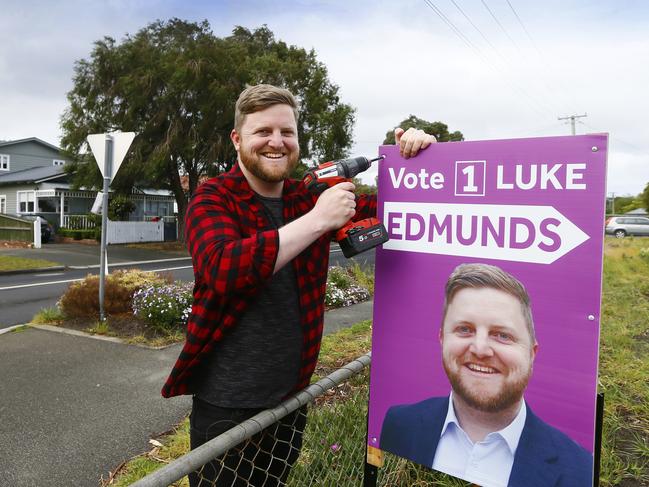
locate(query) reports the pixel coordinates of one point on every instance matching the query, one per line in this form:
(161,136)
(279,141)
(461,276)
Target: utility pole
(613,204)
(572,119)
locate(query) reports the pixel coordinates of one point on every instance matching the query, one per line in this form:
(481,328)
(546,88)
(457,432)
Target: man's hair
(478,276)
(259,97)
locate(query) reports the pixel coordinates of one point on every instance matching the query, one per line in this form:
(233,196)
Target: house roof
(5,143)
(47,173)
(32,175)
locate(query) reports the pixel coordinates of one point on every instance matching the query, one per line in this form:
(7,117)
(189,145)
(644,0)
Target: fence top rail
(194,459)
(17,219)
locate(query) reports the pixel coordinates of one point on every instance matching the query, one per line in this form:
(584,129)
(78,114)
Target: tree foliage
(438,129)
(362,188)
(644,198)
(120,207)
(175,84)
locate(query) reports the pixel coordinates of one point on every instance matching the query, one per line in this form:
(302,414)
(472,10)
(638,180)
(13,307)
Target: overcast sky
(493,69)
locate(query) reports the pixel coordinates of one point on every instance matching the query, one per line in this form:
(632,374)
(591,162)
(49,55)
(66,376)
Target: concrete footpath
(73,408)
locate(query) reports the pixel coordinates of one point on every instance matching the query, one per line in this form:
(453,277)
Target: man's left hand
(411,141)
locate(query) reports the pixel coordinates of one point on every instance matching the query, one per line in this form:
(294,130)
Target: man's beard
(266,173)
(509,394)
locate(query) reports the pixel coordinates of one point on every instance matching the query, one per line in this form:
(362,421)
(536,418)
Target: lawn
(12,263)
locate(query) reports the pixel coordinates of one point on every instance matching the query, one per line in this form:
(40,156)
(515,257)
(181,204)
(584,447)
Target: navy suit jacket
(545,457)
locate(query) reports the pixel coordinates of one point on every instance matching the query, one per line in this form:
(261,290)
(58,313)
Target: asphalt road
(24,295)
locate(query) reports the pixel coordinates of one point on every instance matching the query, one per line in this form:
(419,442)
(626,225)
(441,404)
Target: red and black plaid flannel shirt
(234,254)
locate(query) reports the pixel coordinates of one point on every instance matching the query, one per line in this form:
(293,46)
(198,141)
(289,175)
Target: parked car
(621,226)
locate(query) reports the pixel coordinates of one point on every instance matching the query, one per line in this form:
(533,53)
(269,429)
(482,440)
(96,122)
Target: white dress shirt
(488,462)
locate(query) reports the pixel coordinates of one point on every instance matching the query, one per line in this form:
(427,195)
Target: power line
(529,36)
(617,139)
(547,97)
(500,25)
(457,31)
(551,89)
(477,50)
(477,29)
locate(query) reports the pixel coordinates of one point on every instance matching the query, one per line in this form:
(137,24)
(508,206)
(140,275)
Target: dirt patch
(83,241)
(174,247)
(632,483)
(642,337)
(126,327)
(15,244)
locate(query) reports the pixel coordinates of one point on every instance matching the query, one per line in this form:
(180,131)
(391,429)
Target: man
(484,432)
(260,247)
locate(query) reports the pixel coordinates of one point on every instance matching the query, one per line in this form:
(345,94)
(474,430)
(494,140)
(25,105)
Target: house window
(4,162)
(3,203)
(58,162)
(26,201)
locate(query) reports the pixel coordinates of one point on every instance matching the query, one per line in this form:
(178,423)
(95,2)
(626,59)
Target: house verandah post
(62,202)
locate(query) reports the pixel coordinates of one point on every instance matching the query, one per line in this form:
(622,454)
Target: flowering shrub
(81,300)
(342,290)
(164,307)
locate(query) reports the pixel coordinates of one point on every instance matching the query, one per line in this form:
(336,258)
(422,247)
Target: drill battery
(357,237)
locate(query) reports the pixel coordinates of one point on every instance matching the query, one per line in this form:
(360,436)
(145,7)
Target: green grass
(48,315)
(20,329)
(11,263)
(339,418)
(364,277)
(175,444)
(99,328)
(624,363)
(173,336)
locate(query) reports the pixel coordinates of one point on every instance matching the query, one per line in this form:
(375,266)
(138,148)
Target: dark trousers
(264,460)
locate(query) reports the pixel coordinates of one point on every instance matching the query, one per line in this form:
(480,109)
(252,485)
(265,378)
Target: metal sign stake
(108,170)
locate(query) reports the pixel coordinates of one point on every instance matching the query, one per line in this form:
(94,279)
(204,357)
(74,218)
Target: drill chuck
(348,168)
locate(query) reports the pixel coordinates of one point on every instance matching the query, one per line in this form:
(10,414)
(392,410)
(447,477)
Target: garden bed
(126,327)
(150,309)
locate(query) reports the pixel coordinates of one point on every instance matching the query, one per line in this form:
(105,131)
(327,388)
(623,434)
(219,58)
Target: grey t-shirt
(258,360)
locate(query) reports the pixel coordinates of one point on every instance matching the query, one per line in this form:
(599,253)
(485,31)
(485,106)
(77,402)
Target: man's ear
(236,139)
(441,334)
(535,349)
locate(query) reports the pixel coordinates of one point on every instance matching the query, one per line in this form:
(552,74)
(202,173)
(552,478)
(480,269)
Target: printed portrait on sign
(483,430)
(486,310)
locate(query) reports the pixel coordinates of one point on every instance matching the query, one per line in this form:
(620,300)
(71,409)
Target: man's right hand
(335,207)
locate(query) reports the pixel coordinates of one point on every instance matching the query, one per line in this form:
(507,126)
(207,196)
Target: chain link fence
(265,450)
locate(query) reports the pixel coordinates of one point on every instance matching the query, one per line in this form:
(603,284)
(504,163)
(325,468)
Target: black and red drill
(353,237)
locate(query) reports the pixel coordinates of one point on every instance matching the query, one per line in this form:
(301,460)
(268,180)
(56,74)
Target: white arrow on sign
(121,142)
(538,234)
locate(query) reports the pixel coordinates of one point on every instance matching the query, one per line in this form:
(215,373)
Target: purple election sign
(487,308)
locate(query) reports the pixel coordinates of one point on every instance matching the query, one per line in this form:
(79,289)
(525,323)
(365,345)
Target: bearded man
(260,249)
(484,432)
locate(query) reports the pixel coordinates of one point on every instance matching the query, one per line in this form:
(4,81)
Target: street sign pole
(108,171)
(109,151)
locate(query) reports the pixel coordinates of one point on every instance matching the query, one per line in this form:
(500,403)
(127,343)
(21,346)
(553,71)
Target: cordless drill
(353,237)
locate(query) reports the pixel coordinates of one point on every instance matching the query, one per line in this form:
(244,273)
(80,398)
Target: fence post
(37,233)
